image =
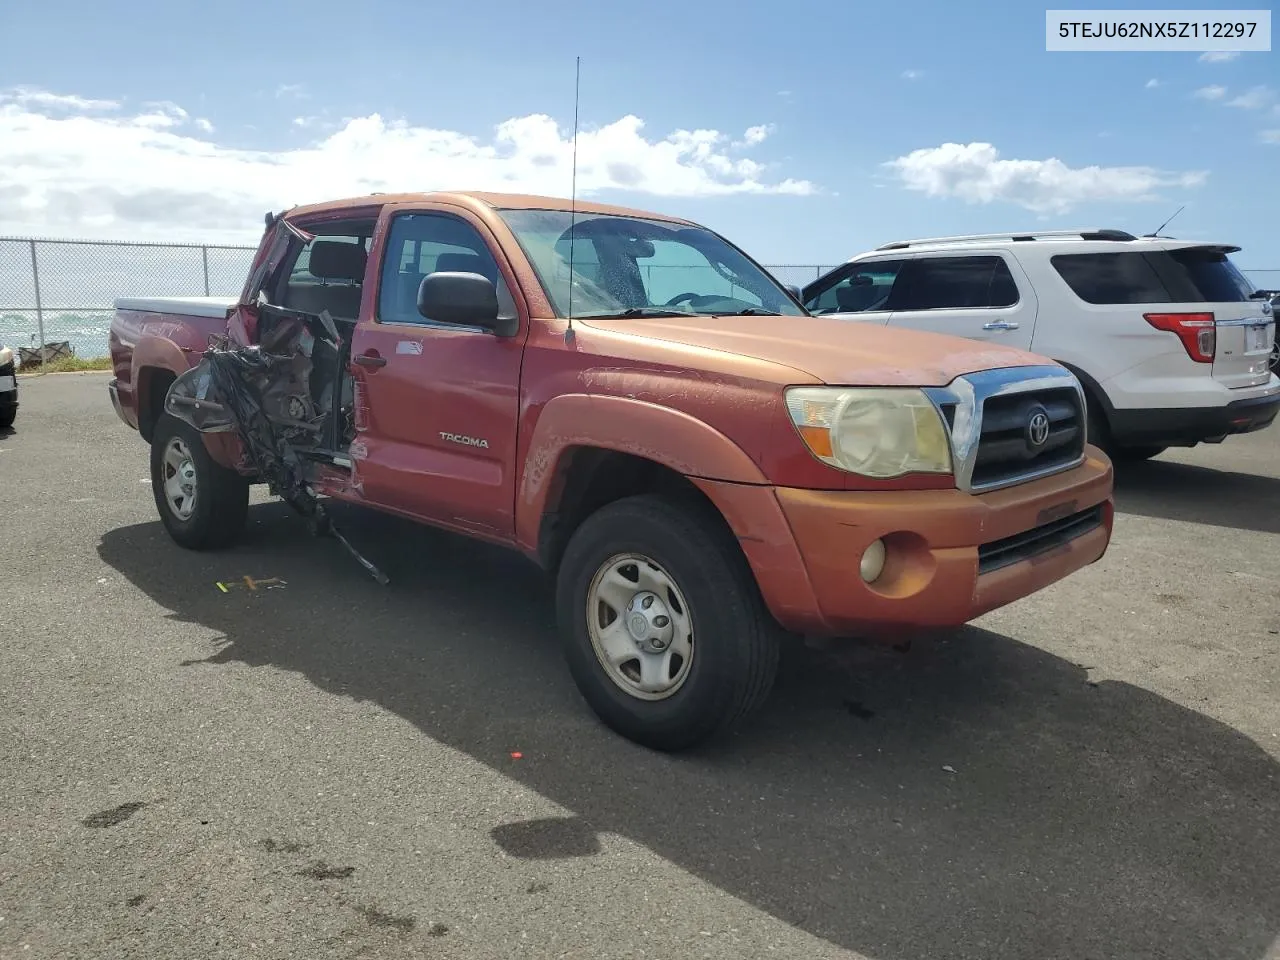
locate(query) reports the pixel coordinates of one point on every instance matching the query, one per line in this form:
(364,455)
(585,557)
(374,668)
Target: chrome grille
(1013,425)
(1006,448)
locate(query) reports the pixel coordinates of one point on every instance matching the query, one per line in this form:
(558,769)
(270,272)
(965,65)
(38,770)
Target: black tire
(1136,453)
(7,417)
(736,643)
(1100,436)
(1099,433)
(221,501)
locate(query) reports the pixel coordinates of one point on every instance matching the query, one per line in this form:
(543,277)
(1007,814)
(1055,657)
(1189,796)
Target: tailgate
(1245,337)
(1204,276)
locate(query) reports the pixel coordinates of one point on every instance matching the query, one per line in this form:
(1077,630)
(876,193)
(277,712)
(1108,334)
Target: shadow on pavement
(975,797)
(1167,490)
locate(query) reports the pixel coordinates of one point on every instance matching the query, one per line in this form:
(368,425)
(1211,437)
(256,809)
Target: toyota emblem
(1037,429)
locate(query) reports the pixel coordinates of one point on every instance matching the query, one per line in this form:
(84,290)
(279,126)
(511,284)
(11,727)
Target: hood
(837,352)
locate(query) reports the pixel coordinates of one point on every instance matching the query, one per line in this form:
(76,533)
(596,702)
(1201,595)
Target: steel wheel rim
(178,477)
(640,627)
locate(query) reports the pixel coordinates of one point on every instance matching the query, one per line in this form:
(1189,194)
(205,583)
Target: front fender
(670,437)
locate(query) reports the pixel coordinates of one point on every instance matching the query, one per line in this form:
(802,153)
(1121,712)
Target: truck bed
(213,307)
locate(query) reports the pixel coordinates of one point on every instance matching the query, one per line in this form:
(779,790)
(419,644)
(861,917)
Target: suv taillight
(1196,331)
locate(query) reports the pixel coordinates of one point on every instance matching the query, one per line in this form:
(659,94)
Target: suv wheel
(202,504)
(663,628)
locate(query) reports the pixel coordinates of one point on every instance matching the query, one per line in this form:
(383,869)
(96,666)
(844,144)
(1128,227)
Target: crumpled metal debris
(264,394)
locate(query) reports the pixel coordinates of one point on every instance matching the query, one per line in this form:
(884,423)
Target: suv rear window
(1212,274)
(1189,275)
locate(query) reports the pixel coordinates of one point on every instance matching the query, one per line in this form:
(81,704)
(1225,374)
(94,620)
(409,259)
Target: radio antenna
(573,193)
(1167,222)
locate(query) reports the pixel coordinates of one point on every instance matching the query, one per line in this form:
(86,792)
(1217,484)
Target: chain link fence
(53,291)
(61,290)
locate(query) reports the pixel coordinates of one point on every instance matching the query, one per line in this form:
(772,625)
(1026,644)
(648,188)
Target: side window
(866,286)
(424,243)
(1111,278)
(302,272)
(959,283)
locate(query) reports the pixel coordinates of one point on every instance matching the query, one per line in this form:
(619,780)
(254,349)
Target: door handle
(371,360)
(1000,325)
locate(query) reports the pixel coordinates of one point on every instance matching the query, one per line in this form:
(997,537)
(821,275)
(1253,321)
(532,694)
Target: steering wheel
(682,297)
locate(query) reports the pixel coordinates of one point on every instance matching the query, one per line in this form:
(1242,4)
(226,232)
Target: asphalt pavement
(327,768)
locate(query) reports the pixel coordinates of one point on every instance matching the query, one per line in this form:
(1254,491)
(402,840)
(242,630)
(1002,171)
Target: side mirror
(465,299)
(795,291)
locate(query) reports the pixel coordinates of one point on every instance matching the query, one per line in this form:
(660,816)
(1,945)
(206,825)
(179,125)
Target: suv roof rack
(1093,233)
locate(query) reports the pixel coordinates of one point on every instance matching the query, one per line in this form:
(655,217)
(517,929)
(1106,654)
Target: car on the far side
(8,388)
(1173,344)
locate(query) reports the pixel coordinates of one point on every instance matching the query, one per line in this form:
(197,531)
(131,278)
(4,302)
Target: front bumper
(8,387)
(113,388)
(951,556)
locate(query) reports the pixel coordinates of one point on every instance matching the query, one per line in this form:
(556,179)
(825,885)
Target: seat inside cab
(329,275)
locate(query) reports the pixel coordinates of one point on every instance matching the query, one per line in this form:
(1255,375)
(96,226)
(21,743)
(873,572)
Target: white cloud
(43,99)
(204,125)
(295,90)
(1254,99)
(1270,136)
(754,136)
(156,173)
(1219,56)
(912,74)
(1212,92)
(1152,83)
(975,173)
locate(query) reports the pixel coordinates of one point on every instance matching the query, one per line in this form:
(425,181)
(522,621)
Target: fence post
(35,282)
(204,251)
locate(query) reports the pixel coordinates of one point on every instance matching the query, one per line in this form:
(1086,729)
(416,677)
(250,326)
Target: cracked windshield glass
(594,265)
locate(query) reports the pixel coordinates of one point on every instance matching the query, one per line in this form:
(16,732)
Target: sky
(805,131)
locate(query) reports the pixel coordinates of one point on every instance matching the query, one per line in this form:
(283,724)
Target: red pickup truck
(634,403)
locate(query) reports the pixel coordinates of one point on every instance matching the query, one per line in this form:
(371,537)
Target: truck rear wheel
(202,504)
(663,628)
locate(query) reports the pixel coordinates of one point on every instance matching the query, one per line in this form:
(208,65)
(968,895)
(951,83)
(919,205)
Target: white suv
(1169,339)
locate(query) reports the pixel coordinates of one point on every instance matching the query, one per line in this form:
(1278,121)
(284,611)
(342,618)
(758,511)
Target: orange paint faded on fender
(758,521)
(661,434)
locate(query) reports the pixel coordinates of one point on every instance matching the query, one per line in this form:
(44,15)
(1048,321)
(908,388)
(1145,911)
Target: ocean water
(85,331)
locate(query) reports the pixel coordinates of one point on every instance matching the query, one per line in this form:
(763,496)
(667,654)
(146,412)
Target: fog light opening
(872,562)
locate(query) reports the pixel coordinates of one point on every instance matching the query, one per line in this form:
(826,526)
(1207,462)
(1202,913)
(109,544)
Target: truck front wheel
(663,628)
(202,504)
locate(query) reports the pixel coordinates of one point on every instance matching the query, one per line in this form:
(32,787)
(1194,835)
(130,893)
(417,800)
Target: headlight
(876,432)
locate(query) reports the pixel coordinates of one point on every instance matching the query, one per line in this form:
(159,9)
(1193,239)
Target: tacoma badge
(465,441)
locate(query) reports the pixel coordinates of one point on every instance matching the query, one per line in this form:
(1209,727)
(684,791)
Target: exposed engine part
(279,401)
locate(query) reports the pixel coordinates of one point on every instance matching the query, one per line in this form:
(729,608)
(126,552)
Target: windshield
(628,266)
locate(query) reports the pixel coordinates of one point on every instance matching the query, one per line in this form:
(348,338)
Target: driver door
(437,404)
